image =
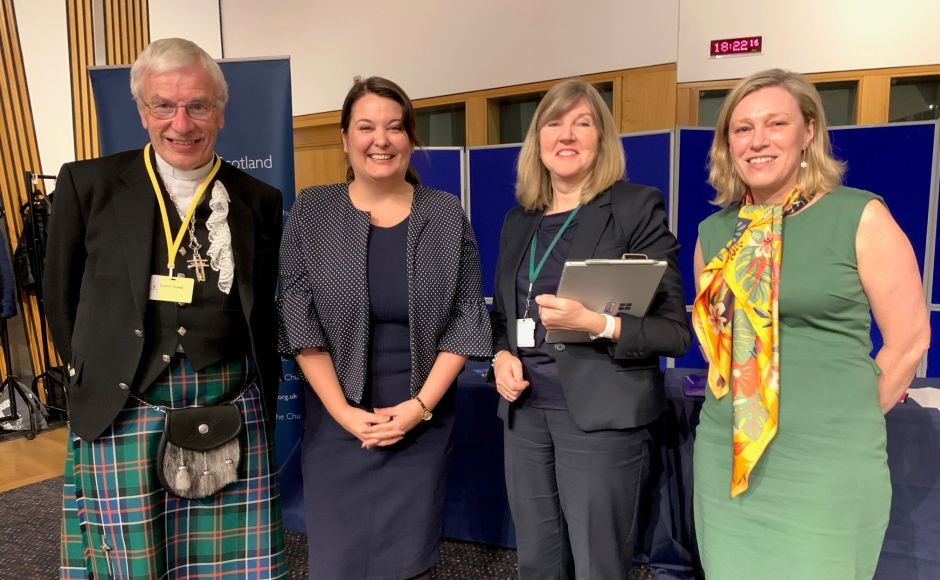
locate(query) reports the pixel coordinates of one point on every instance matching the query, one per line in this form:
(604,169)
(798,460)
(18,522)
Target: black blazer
(97,278)
(607,385)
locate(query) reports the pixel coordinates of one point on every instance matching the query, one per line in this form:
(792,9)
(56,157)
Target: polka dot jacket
(324,294)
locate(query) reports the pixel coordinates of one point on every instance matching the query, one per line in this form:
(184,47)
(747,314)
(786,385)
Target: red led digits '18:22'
(742,45)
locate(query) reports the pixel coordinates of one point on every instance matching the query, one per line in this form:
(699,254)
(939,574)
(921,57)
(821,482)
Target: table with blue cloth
(476,508)
(912,544)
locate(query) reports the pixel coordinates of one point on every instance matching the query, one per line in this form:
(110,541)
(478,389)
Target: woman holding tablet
(576,415)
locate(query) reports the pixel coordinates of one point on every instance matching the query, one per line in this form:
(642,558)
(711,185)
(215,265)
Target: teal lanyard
(534,269)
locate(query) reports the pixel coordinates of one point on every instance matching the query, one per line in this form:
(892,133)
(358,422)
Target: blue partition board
(693,358)
(649,160)
(439,168)
(694,195)
(492,172)
(896,162)
(933,355)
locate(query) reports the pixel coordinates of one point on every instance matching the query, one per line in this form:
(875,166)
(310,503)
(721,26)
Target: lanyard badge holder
(172,288)
(525,326)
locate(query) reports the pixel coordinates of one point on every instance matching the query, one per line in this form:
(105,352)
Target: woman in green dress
(790,467)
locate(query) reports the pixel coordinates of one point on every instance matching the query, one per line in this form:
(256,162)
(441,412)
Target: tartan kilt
(119,522)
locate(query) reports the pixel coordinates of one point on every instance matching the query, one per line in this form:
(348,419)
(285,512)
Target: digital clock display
(729,46)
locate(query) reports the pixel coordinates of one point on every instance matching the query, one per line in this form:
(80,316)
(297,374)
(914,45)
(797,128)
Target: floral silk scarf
(735,317)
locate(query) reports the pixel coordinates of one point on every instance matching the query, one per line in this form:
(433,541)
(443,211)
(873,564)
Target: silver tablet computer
(608,287)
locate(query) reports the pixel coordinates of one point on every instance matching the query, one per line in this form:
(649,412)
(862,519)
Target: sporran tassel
(183,482)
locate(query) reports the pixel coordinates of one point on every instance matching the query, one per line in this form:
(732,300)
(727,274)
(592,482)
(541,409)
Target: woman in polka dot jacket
(381,304)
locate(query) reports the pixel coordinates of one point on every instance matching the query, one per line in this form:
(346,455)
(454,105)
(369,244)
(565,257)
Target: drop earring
(803,163)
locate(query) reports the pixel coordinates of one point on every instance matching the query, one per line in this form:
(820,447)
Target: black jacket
(97,277)
(606,385)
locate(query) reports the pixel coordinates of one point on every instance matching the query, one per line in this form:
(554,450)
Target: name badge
(171,289)
(525,332)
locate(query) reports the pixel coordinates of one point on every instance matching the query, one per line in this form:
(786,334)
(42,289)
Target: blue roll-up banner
(258,138)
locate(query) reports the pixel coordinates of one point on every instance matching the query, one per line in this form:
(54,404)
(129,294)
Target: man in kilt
(160,276)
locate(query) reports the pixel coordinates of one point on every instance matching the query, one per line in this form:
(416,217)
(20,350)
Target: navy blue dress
(377,513)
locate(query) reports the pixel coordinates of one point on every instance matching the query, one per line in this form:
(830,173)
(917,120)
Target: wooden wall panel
(874,92)
(318,154)
(127,32)
(477,124)
(873,99)
(80,19)
(18,153)
(128,29)
(319,165)
(645,99)
(648,98)
(686,108)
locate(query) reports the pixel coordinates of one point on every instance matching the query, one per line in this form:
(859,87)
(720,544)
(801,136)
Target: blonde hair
(823,171)
(533,181)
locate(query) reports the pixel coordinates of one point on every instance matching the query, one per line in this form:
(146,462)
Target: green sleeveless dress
(818,501)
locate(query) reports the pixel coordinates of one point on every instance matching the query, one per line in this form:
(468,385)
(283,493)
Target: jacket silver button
(559,347)
(167,358)
(123,387)
(138,333)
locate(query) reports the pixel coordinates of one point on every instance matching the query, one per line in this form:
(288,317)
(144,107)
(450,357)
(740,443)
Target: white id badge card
(525,332)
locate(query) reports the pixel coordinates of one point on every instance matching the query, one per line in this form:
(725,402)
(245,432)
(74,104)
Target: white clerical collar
(167,170)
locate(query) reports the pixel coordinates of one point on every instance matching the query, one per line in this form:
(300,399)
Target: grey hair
(169,54)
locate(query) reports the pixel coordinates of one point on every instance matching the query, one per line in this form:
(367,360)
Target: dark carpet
(29,543)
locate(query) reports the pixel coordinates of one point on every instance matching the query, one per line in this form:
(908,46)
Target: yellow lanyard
(172,245)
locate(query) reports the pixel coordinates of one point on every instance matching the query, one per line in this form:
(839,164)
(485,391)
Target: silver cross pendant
(198,265)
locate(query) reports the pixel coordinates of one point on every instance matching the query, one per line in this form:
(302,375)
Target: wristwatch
(426,416)
(609,326)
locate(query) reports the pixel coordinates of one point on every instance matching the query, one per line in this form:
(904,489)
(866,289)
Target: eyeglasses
(197,110)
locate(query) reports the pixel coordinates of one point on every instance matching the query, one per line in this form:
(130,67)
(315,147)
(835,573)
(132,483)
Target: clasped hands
(382,427)
(555,314)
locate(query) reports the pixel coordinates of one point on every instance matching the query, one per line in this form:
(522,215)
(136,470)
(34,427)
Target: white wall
(196,20)
(440,47)
(44,42)
(808,35)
